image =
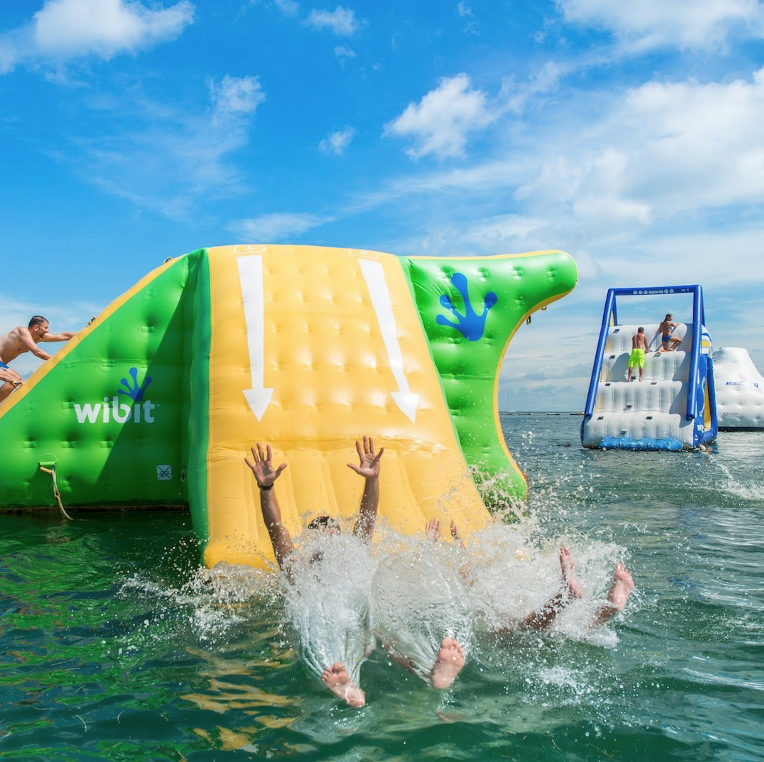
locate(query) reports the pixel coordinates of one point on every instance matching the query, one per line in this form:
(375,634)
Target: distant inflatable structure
(157,401)
(674,407)
(739,390)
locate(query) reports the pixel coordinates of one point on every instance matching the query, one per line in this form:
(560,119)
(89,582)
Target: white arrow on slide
(374,275)
(251,277)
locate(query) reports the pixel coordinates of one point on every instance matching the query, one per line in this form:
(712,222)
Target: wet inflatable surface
(306,348)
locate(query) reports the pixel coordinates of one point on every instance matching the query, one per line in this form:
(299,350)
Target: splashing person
(570,590)
(427,602)
(335,675)
(422,612)
(543,617)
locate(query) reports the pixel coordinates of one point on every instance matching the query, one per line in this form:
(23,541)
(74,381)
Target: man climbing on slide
(25,339)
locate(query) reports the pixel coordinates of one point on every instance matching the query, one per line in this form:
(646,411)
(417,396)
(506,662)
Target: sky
(628,134)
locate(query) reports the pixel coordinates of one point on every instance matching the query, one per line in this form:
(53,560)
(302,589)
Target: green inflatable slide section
(110,411)
(470,310)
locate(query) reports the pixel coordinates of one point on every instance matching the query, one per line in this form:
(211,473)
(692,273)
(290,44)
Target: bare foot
(337,680)
(448,664)
(621,588)
(568,577)
(619,593)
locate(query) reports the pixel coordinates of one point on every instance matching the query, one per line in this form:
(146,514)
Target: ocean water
(114,645)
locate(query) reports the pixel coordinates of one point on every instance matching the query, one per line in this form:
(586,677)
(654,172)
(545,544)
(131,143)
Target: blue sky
(627,134)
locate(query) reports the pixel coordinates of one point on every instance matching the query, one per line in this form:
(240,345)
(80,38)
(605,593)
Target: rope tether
(56,493)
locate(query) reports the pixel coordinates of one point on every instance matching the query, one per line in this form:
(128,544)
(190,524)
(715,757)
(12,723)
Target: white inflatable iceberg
(739,390)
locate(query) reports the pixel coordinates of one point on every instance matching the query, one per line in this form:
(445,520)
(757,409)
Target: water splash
(209,603)
(418,598)
(341,595)
(327,600)
(734,485)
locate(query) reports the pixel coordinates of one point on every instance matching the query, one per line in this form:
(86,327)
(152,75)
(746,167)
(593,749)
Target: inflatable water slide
(674,406)
(739,390)
(158,400)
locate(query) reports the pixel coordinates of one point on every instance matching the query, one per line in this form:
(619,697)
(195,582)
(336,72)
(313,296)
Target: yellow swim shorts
(637,358)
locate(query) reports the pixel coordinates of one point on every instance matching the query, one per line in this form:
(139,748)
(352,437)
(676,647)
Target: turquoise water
(114,646)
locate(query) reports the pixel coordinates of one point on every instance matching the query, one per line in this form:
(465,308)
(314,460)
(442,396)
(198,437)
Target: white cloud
(660,151)
(341,21)
(287,7)
(343,51)
(543,81)
(441,121)
(502,233)
(235,96)
(702,142)
(646,24)
(487,175)
(465,11)
(16,46)
(166,158)
(66,29)
(276,227)
(337,142)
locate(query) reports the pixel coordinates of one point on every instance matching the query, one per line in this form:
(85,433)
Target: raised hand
(369,469)
(369,462)
(432,530)
(262,468)
(455,534)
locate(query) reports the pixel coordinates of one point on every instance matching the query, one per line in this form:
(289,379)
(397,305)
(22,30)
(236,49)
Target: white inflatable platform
(739,390)
(672,408)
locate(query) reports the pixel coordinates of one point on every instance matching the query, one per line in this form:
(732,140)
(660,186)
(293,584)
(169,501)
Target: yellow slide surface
(310,350)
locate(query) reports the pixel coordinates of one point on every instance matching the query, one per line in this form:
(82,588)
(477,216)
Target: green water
(114,647)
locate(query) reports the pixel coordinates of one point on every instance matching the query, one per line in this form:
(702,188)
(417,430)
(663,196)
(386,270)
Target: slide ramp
(334,350)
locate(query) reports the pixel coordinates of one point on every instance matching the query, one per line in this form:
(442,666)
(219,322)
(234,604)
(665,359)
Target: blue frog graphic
(470,324)
(134,391)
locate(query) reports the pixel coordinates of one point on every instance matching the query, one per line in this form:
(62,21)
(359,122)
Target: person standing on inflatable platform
(638,349)
(24,339)
(335,677)
(669,343)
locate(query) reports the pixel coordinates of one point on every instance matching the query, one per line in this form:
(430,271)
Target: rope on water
(56,493)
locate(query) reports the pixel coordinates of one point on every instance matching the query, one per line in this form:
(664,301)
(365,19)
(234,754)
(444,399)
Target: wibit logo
(120,412)
(470,324)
